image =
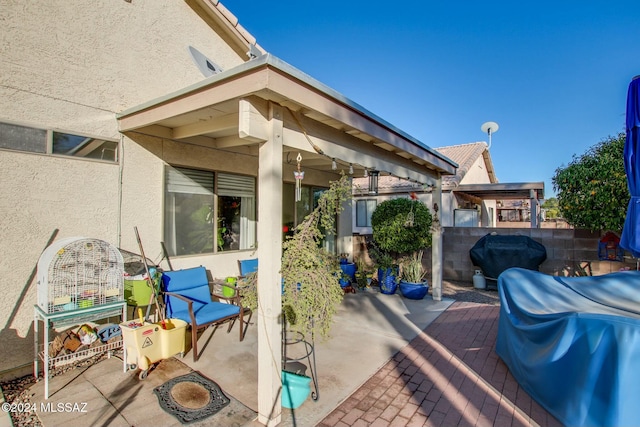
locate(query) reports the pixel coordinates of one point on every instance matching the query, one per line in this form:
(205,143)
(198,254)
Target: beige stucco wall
(71,65)
(44,198)
(477,173)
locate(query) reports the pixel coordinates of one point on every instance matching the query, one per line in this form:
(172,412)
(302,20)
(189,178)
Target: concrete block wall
(567,250)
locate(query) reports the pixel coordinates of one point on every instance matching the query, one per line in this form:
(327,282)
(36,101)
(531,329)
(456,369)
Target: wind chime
(410,221)
(299,175)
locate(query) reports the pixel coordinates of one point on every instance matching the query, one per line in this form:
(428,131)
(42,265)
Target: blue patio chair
(187,297)
(247,266)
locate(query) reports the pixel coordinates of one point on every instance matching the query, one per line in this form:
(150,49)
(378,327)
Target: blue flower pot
(295,389)
(387,281)
(413,290)
(349,268)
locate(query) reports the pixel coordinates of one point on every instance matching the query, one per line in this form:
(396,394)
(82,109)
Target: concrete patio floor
(390,361)
(370,328)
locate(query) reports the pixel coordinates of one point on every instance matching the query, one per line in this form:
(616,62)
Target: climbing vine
(311,293)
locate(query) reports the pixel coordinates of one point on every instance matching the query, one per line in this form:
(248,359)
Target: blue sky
(553,74)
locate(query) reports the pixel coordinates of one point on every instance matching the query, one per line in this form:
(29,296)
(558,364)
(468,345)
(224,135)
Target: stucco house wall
(55,74)
(477,173)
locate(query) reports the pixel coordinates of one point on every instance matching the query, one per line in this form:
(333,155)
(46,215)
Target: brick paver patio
(449,375)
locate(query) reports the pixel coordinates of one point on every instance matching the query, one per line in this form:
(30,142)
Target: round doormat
(191,397)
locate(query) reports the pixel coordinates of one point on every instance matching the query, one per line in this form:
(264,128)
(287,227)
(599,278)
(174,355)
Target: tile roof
(463,154)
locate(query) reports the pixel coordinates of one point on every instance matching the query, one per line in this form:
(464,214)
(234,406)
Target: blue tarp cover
(573,343)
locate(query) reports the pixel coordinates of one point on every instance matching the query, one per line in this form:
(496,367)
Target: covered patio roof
(228,111)
(534,191)
(502,191)
(269,109)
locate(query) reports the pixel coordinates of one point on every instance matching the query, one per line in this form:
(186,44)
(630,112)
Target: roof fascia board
(336,144)
(525,187)
(289,70)
(503,186)
(489,164)
(194,98)
(213,81)
(281,84)
(223,22)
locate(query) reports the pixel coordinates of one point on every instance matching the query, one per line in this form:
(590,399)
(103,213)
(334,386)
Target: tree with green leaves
(592,190)
(551,208)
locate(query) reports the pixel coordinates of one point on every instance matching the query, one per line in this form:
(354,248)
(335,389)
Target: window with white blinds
(364,209)
(236,185)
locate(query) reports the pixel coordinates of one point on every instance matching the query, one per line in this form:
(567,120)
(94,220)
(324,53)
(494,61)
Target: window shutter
(189,181)
(236,185)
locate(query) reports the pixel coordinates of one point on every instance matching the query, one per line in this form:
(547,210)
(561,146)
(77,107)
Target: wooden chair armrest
(182,297)
(189,302)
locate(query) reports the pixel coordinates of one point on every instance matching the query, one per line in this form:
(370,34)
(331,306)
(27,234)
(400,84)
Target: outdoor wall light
(373,181)
(366,172)
(350,168)
(334,165)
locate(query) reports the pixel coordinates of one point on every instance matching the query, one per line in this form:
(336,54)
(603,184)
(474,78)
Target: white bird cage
(78,272)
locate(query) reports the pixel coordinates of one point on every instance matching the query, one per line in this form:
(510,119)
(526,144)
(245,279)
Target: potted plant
(413,284)
(401,228)
(362,273)
(387,270)
(348,276)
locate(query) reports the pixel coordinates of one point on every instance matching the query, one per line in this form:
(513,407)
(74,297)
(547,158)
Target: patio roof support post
(344,229)
(533,208)
(436,243)
(270,256)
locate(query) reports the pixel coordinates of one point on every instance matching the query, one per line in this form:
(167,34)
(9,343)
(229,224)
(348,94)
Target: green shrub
(401,226)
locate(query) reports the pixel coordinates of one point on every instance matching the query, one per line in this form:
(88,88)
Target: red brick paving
(449,375)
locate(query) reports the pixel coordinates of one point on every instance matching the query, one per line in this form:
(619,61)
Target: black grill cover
(495,253)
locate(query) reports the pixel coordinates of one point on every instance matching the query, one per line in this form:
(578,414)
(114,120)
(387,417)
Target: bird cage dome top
(78,272)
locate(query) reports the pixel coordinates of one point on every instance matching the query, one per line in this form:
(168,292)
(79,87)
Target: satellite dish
(254,52)
(207,67)
(489,128)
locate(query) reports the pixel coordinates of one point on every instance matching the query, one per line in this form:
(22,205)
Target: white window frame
(179,180)
(370,205)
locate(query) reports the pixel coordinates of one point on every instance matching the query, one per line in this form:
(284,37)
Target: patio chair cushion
(193,283)
(206,313)
(189,278)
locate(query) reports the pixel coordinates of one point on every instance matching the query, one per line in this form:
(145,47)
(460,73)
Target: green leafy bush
(401,226)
